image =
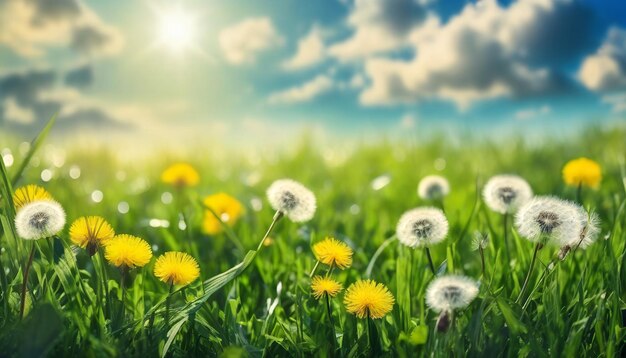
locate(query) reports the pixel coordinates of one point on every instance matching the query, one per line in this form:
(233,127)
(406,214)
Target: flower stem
(430,260)
(277,217)
(123,287)
(530,270)
(579,193)
(167,306)
(505,234)
(330,319)
(367,323)
(105,282)
(24,284)
(482,259)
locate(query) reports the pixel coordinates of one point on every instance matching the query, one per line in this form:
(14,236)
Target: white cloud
(311,50)
(616,101)
(304,92)
(242,42)
(379,26)
(606,69)
(531,113)
(483,52)
(29,28)
(13,112)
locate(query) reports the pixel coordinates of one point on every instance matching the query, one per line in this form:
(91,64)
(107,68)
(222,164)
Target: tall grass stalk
(27,267)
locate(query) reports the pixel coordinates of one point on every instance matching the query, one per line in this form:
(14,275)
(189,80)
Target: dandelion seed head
(590,232)
(506,193)
(448,293)
(550,220)
(480,240)
(292,199)
(433,187)
(368,298)
(421,227)
(321,286)
(176,268)
(39,219)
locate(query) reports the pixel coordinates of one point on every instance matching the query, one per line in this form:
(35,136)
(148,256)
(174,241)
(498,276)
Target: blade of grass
(34,146)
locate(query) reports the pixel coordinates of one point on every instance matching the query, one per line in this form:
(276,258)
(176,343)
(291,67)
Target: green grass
(572,308)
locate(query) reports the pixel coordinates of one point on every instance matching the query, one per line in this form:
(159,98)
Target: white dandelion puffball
(590,223)
(39,219)
(551,220)
(433,187)
(448,293)
(292,199)
(505,194)
(422,227)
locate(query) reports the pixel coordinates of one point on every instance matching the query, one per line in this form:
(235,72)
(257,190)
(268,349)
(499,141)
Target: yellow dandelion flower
(180,175)
(226,207)
(368,298)
(333,252)
(91,232)
(128,251)
(324,286)
(582,171)
(176,268)
(28,194)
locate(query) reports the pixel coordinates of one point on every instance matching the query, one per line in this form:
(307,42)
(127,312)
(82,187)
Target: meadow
(254,298)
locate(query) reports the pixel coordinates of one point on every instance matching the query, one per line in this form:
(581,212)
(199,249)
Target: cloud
(13,112)
(311,50)
(29,98)
(486,51)
(605,70)
(305,92)
(30,27)
(379,26)
(531,113)
(617,102)
(242,42)
(96,40)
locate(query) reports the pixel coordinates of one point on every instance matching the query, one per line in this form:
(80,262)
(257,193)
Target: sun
(176,29)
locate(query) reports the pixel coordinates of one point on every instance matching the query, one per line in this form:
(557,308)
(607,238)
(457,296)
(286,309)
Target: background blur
(134,75)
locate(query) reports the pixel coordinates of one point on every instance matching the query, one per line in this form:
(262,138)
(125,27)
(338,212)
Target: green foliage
(255,300)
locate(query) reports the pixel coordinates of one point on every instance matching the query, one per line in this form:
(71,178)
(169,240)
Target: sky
(246,69)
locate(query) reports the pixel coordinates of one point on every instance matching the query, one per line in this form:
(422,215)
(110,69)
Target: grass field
(262,305)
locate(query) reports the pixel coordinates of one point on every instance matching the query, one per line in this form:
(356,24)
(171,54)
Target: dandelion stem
(277,217)
(123,287)
(330,319)
(430,260)
(314,269)
(367,323)
(579,193)
(530,270)
(26,271)
(505,234)
(105,282)
(167,306)
(482,259)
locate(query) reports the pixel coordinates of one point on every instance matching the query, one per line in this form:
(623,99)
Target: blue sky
(156,68)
